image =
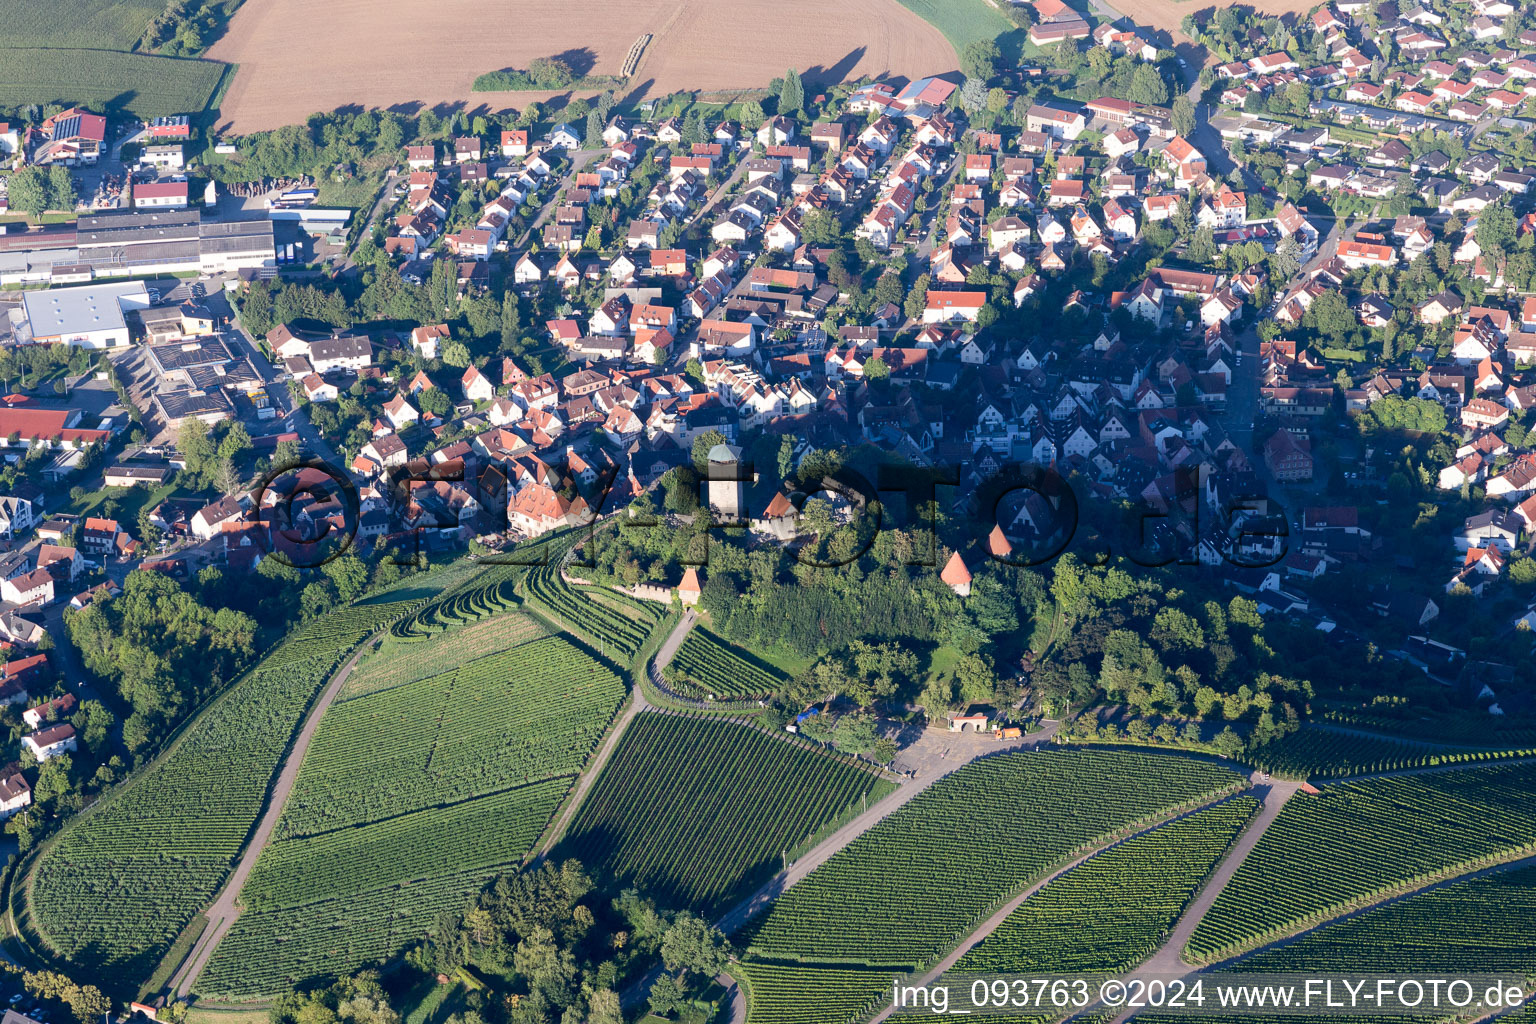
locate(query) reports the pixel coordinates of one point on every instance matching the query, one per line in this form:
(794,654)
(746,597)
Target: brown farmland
(298,57)
(1166,15)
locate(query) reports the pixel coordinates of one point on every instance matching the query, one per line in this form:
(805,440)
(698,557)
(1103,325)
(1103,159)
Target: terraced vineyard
(913,885)
(1315,752)
(396,664)
(695,812)
(411,797)
(1111,912)
(1362,839)
(706,666)
(491,592)
(507,719)
(120,881)
(617,624)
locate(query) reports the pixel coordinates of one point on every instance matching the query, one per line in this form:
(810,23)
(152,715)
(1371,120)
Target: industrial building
(88,316)
(123,243)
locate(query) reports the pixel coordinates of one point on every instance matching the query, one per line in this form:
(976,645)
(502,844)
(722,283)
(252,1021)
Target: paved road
(221,915)
(579,159)
(1170,958)
(736,996)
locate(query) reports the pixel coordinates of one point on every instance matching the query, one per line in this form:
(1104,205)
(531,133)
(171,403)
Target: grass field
(696,812)
(962,21)
(138,83)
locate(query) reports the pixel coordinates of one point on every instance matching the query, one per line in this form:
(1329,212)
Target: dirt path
(221,915)
(992,923)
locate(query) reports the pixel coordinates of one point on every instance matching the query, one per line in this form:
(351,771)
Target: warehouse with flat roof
(86,316)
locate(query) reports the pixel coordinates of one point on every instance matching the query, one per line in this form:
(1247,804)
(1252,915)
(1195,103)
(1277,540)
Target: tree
(791,93)
(455,354)
(1286,260)
(193,443)
(979,59)
(692,944)
(973,95)
(28,191)
(1183,115)
(876,369)
(235,442)
(1147,86)
(701,446)
(256,310)
(1330,314)
(61,188)
(350,576)
(917,298)
(786,456)
(1496,229)
(1202,247)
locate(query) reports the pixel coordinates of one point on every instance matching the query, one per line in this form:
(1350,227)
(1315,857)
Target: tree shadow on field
(580,60)
(640,92)
(1011,45)
(828,76)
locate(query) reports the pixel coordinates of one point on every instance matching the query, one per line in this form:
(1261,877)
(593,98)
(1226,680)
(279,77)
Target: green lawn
(962,21)
(129,501)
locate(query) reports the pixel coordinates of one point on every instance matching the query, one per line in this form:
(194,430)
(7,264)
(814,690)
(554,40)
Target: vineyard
(1314,752)
(795,994)
(616,624)
(413,795)
(1112,911)
(267,952)
(696,812)
(478,833)
(706,667)
(507,719)
(1357,841)
(396,664)
(1481,925)
(912,885)
(119,882)
(142,84)
(491,592)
